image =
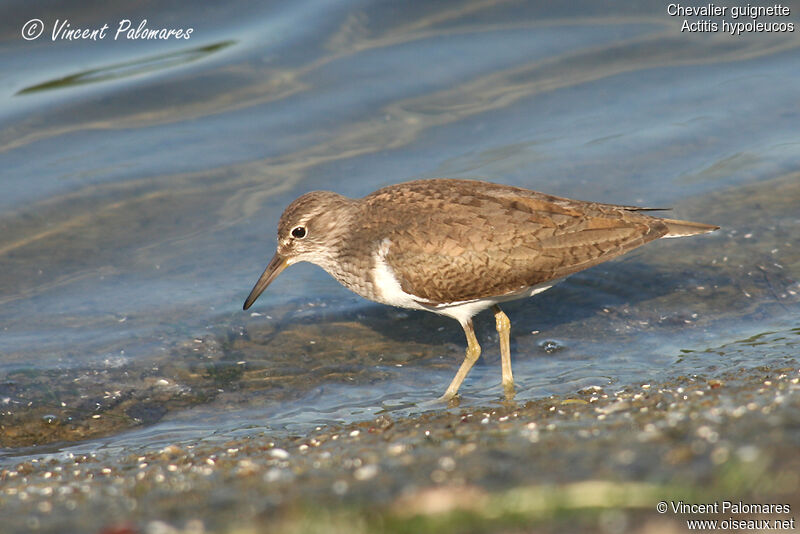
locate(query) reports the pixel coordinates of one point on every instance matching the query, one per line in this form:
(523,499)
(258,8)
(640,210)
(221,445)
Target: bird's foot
(451,399)
(508,390)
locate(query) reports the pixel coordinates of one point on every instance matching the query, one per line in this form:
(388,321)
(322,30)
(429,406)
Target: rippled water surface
(142,182)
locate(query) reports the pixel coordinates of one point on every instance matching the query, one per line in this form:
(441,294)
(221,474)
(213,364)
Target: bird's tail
(676,228)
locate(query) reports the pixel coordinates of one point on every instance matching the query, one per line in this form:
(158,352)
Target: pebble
(280,454)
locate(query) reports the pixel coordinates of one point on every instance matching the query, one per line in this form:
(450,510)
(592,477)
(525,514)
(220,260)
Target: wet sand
(597,461)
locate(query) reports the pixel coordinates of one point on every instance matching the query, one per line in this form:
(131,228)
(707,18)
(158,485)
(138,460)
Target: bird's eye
(299,232)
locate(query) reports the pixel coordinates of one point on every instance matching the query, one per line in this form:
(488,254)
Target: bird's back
(458,240)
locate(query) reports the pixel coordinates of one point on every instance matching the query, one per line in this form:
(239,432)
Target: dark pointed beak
(276,265)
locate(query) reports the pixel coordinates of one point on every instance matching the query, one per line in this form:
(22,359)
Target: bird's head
(308,230)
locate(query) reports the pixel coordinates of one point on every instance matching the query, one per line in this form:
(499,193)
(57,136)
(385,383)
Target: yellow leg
(503,330)
(473,352)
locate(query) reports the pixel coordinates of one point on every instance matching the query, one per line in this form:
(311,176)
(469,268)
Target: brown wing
(456,240)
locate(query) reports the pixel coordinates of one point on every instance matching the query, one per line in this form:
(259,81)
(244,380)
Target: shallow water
(142,182)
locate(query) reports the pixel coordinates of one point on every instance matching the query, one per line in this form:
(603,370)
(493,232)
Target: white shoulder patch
(387,288)
(388,291)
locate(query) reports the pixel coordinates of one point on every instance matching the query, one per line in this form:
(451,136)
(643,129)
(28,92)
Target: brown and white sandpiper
(457,247)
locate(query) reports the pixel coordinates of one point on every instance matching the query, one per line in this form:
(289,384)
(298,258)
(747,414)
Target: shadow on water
(129,68)
(583,295)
